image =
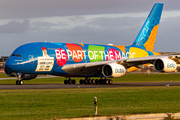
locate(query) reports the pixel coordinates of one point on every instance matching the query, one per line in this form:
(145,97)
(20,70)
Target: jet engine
(113,70)
(165,65)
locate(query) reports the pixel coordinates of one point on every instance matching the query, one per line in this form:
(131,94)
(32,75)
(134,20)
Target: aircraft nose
(9,64)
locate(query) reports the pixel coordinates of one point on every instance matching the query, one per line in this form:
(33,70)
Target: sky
(85,21)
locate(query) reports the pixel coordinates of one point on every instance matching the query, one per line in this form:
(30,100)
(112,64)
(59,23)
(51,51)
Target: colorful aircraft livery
(91,53)
(90,60)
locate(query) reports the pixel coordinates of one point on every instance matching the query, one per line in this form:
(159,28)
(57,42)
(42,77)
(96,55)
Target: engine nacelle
(9,73)
(113,70)
(28,76)
(165,65)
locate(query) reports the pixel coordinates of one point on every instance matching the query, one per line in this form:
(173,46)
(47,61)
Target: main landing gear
(69,81)
(89,81)
(20,81)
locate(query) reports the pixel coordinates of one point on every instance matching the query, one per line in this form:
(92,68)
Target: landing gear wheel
(65,82)
(89,81)
(73,81)
(85,81)
(69,81)
(17,82)
(92,81)
(110,81)
(20,82)
(81,81)
(106,82)
(101,81)
(96,81)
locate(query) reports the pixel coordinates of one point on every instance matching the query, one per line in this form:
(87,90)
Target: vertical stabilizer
(147,35)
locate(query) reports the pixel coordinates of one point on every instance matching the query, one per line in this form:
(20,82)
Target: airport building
(2,63)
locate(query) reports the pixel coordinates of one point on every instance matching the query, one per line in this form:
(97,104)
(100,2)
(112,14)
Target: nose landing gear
(20,81)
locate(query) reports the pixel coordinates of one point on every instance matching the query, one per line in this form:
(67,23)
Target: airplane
(91,60)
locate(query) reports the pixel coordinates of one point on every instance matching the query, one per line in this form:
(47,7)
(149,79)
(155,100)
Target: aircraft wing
(85,68)
(96,67)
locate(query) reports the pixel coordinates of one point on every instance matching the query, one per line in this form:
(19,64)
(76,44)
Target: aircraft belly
(85,71)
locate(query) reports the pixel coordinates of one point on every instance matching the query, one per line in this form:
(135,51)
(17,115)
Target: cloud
(117,22)
(168,35)
(15,27)
(25,9)
(87,21)
(42,26)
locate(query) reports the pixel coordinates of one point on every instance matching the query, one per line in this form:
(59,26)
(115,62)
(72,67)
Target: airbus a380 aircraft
(91,60)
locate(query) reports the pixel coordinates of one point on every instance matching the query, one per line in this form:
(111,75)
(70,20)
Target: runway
(62,86)
(13,78)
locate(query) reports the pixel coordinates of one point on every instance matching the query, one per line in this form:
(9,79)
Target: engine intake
(113,70)
(165,65)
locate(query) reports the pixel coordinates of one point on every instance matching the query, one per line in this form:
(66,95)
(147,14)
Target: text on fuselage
(92,55)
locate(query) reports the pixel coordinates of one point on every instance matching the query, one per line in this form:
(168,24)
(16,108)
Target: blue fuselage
(49,58)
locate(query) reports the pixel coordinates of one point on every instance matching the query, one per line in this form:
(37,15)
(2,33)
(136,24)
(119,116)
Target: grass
(2,75)
(144,78)
(125,78)
(69,103)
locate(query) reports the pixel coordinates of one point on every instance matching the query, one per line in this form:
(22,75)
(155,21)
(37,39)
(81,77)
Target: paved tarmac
(62,86)
(12,78)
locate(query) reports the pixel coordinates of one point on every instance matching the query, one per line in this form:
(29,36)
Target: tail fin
(147,35)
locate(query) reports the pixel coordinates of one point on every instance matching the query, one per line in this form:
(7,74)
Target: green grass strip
(69,103)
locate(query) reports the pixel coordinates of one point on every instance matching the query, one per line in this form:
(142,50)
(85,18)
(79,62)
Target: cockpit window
(17,55)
